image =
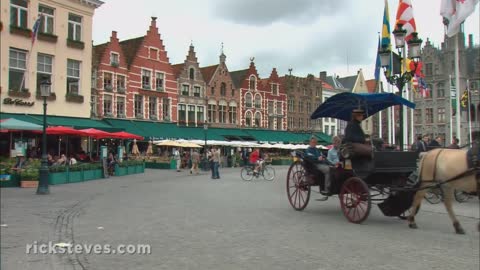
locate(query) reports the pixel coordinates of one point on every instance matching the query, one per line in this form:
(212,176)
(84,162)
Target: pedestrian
(421,144)
(233,157)
(216,163)
(454,144)
(195,162)
(177,158)
(437,143)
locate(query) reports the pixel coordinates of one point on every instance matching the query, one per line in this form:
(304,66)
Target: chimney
(323,75)
(154,22)
(470,41)
(114,34)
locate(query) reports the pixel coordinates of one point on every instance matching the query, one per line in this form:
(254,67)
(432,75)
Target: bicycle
(267,171)
(435,196)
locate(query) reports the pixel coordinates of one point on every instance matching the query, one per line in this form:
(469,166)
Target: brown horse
(451,169)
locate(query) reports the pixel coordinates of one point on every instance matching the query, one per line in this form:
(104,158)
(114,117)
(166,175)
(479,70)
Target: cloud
(266,12)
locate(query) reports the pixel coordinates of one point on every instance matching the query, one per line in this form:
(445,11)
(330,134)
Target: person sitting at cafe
(62,160)
(72,160)
(21,163)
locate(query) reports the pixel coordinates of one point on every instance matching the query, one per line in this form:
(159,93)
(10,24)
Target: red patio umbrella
(126,135)
(97,134)
(61,130)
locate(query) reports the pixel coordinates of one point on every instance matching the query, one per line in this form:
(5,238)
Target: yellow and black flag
(465,99)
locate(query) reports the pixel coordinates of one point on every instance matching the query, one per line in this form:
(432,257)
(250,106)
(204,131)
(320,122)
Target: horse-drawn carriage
(383,176)
(359,181)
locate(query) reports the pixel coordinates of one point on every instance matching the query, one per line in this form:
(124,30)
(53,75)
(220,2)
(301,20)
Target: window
(182,113)
(19,13)
(258,119)
(107,81)
(317,92)
(159,79)
(233,91)
(300,123)
(197,91)
(325,129)
(211,113)
(152,108)
(248,119)
(332,130)
(166,109)
(93,105)
(121,82)
(46,24)
(146,75)
(18,66)
(74,27)
(304,91)
(114,59)
(271,108)
(309,107)
(185,90)
(275,89)
(44,68)
(441,90)
(291,105)
(191,113)
(200,113)
(222,110)
(153,53)
(441,115)
(300,106)
(232,111)
(252,82)
(107,105)
(418,116)
(290,122)
(192,74)
(138,108)
(428,69)
(258,101)
(223,89)
(429,115)
(120,106)
(248,100)
(212,91)
(279,108)
(73,77)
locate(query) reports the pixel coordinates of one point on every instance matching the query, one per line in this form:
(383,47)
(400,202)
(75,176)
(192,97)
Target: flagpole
(380,116)
(457,87)
(451,106)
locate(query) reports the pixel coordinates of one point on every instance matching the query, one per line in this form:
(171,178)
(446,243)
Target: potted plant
(29,177)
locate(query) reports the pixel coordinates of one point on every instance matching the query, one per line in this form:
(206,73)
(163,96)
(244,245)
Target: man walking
(195,162)
(216,163)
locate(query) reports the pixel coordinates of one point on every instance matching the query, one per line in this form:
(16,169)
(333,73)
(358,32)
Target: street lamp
(205,130)
(397,77)
(45,88)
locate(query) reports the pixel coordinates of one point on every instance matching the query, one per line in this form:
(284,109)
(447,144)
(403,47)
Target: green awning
(15,124)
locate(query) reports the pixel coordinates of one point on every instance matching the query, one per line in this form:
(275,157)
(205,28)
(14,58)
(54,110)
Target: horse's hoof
(412,226)
(460,231)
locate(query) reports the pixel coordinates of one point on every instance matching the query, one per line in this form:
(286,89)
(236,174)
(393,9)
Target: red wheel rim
(355,200)
(297,191)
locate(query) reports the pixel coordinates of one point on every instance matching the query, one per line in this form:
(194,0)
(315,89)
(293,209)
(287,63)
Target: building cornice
(91,3)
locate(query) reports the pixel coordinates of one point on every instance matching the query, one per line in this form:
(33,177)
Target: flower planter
(9,180)
(155,165)
(58,178)
(281,161)
(120,171)
(29,183)
(75,177)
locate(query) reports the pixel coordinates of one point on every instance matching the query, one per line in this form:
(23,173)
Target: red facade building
(262,102)
(134,79)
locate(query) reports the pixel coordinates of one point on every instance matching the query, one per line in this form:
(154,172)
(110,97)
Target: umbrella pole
(66,148)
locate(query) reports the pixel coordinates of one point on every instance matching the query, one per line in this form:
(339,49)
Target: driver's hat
(358,111)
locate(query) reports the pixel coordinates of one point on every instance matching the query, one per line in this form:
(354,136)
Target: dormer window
(114,59)
(275,89)
(252,82)
(192,74)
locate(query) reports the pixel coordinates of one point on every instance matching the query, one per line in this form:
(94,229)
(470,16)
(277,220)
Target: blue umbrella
(340,106)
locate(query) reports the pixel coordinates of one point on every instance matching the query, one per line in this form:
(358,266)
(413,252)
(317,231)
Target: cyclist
(255,160)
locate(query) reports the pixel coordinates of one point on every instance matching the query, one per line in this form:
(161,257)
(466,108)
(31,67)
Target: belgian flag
(465,99)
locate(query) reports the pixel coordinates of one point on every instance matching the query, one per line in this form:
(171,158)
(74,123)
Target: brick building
(191,91)
(304,96)
(262,102)
(150,84)
(221,94)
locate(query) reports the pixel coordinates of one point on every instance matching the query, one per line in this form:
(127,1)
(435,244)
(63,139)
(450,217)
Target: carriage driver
(313,153)
(355,136)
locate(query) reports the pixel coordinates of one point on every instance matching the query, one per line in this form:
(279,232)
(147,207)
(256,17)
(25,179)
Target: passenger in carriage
(314,154)
(332,155)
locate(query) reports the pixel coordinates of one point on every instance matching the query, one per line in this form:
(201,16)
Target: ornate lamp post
(45,88)
(205,130)
(397,77)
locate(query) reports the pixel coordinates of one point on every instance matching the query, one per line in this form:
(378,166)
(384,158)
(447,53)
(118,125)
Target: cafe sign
(17,102)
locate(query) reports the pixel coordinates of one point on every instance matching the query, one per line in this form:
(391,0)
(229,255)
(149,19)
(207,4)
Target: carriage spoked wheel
(298,190)
(355,200)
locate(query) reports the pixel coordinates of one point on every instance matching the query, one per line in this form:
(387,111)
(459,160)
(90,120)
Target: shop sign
(17,102)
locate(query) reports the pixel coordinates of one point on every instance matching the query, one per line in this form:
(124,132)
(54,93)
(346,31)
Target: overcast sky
(309,36)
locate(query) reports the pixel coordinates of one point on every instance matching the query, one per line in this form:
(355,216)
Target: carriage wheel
(298,191)
(355,200)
